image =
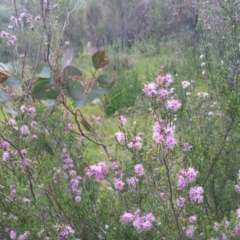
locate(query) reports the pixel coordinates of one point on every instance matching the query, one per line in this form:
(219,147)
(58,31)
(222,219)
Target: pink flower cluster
(74,182)
(164,134)
(160,89)
(185,177)
(195,194)
(11,39)
(64,232)
(98,171)
(120,136)
(122,120)
(141,223)
(139,170)
(136,143)
(189,231)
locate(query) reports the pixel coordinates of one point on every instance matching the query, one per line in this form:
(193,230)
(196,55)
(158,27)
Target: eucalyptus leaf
(38,90)
(4,97)
(13,82)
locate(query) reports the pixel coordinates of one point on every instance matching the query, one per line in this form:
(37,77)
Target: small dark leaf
(3,76)
(67,57)
(99,59)
(4,97)
(71,73)
(38,90)
(52,91)
(86,125)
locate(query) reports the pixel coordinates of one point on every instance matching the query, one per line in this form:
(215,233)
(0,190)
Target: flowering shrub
(153,179)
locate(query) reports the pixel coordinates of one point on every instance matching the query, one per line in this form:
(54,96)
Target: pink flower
(122,120)
(163,196)
(180,202)
(77,199)
(23,108)
(25,163)
(127,217)
(238,213)
(67,43)
(12,234)
(135,145)
(139,170)
(173,105)
(120,137)
(189,231)
(185,84)
(168,79)
(182,182)
(192,219)
(31,110)
(226,224)
(149,217)
(24,130)
(186,147)
(170,142)
(12,122)
(26,200)
(132,181)
(23,152)
(118,184)
(191,174)
(6,156)
(3,34)
(150,89)
(163,92)
(4,144)
(33,123)
(237,187)
(195,194)
(216,227)
(13,193)
(69,127)
(114,165)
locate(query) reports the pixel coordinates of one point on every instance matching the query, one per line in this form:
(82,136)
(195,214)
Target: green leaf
(99,59)
(4,97)
(13,82)
(13,68)
(71,73)
(76,91)
(38,89)
(52,91)
(86,125)
(79,104)
(105,79)
(49,103)
(67,57)
(4,68)
(10,110)
(86,99)
(45,73)
(40,67)
(102,89)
